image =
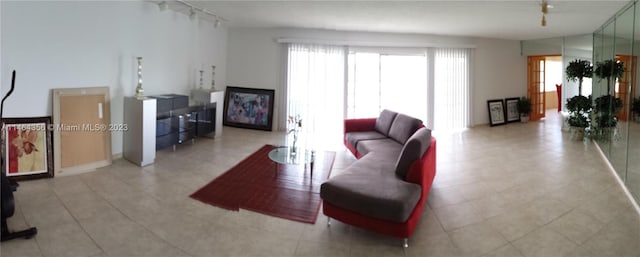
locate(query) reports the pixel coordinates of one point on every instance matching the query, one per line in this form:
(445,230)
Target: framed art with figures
(513,115)
(496,112)
(248,108)
(26,148)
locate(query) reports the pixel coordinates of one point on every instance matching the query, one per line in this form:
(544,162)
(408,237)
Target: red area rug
(254,185)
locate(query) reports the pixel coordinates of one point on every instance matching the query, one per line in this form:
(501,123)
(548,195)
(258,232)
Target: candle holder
(139,89)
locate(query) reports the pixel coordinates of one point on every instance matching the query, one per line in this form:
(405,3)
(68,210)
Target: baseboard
(620,182)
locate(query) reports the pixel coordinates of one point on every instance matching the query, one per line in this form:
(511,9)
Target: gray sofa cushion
(387,146)
(354,137)
(371,188)
(403,127)
(413,150)
(384,121)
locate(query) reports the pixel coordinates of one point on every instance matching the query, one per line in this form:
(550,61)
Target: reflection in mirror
(601,118)
(632,178)
(617,111)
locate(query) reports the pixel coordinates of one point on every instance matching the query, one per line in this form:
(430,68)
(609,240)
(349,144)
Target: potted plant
(635,108)
(578,70)
(524,107)
(605,110)
(609,69)
(579,108)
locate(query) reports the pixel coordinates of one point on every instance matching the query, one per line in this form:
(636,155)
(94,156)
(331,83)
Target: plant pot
(577,133)
(524,118)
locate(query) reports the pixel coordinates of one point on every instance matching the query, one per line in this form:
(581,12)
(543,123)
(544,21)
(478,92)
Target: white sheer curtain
(451,88)
(386,81)
(315,91)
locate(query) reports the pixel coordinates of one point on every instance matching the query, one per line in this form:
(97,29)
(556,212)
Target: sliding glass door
(383,81)
(400,82)
(327,84)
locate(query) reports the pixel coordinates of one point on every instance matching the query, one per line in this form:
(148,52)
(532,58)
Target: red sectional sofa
(386,189)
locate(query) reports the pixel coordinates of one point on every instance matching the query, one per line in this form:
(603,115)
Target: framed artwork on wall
(496,112)
(27,148)
(511,104)
(248,108)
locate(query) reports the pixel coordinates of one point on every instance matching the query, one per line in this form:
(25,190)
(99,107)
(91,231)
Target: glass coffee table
(296,156)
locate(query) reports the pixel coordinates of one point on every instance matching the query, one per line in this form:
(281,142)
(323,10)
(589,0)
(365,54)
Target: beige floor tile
(456,216)
(514,224)
(67,239)
(544,242)
(546,210)
(20,248)
(505,251)
(316,249)
(435,246)
(476,239)
(577,226)
(617,238)
(376,251)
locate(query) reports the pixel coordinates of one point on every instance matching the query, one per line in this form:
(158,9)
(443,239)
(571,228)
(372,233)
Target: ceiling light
(193,11)
(163,5)
(543,22)
(192,14)
(545,7)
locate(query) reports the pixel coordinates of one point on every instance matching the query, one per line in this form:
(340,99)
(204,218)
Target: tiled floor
(514,190)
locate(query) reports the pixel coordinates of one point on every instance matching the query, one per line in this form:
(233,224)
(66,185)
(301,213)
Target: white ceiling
(516,20)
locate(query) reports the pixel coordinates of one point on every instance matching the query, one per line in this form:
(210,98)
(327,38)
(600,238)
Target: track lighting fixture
(193,11)
(163,5)
(192,14)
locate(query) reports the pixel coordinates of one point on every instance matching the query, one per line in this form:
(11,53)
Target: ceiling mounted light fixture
(163,5)
(192,14)
(195,11)
(544,8)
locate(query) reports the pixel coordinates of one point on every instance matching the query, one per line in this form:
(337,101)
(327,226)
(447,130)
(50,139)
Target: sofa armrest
(423,171)
(358,125)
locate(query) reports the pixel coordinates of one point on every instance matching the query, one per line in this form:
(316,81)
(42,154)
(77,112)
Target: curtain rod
(285,40)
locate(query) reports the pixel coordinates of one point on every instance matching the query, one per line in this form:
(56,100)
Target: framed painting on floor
(248,108)
(511,104)
(27,148)
(496,112)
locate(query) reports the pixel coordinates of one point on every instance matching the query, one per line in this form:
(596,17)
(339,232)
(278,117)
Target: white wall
(65,44)
(255,59)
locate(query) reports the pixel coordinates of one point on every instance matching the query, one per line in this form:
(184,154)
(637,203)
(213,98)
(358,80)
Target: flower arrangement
(295,123)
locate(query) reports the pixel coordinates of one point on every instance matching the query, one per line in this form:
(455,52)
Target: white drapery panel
(315,89)
(387,81)
(451,88)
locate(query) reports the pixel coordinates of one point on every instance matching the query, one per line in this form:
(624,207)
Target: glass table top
(289,155)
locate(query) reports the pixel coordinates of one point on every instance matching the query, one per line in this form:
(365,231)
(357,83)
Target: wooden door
(624,87)
(535,86)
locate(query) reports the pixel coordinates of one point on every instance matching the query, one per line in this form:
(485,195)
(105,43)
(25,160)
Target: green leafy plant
(524,106)
(605,109)
(579,108)
(577,70)
(609,69)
